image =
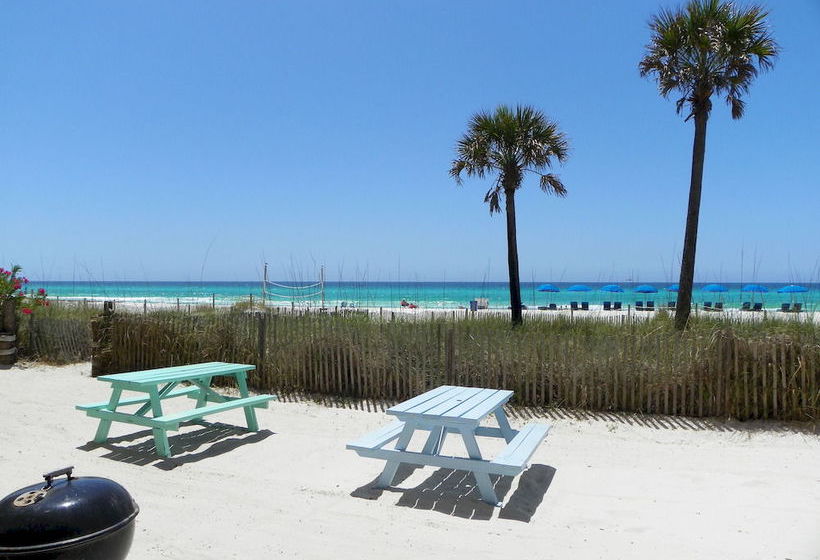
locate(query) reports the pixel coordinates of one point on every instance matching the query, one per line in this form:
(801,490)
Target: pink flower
(26,311)
(41,291)
(25,280)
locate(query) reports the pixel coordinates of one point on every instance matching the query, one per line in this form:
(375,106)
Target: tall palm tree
(510,142)
(708,47)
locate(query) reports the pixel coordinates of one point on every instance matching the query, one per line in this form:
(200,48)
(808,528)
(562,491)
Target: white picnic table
(457,410)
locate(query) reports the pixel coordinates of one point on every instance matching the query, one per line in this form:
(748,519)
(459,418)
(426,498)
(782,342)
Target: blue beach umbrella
(579,288)
(759,288)
(792,289)
(673,288)
(646,289)
(548,288)
(755,289)
(611,288)
(714,288)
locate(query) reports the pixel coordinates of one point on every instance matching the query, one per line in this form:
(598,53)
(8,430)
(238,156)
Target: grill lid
(64,511)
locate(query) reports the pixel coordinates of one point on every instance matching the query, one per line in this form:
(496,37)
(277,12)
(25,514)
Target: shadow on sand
(453,492)
(216,438)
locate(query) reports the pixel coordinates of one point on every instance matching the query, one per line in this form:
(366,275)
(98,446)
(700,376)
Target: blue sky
(192,140)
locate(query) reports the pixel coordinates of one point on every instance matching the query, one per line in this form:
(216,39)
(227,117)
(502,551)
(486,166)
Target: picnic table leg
(485,486)
(504,424)
(389,472)
(105,425)
(160,435)
(434,441)
(250,413)
(202,398)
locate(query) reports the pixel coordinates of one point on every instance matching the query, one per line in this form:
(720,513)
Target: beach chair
(553,307)
(707,305)
(542,308)
(573,305)
(758,307)
(617,306)
(638,306)
(718,306)
(798,307)
(650,306)
(786,307)
(746,306)
(607,306)
(584,306)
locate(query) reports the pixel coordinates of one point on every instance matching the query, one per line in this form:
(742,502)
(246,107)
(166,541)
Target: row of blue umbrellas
(649,289)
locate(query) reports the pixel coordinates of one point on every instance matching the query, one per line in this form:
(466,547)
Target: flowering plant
(12,288)
(11,284)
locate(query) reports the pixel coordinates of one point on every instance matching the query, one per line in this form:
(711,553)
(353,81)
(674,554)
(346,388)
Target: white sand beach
(595,312)
(601,486)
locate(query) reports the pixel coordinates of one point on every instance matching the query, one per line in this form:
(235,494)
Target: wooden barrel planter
(8,349)
(8,333)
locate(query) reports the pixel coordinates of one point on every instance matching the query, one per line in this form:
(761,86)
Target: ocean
(429,295)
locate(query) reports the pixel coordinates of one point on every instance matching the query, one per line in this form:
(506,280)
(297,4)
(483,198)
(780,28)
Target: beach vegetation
(507,144)
(706,48)
(718,367)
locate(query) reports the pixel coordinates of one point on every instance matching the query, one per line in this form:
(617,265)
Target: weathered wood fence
(59,340)
(721,374)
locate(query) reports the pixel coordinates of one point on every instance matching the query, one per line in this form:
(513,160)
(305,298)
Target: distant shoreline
(441,296)
(596,312)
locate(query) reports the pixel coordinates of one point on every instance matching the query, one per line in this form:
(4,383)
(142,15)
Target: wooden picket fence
(59,340)
(720,374)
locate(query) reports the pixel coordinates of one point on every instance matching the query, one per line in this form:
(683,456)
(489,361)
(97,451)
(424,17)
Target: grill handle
(54,474)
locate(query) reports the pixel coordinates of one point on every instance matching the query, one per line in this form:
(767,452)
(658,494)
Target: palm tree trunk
(690,242)
(512,258)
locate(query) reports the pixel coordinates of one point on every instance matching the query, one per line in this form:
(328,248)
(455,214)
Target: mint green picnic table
(157,385)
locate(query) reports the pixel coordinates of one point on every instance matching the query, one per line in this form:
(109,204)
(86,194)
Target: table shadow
(454,492)
(217,439)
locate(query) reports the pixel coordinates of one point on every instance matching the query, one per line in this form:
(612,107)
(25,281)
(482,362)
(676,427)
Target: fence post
(260,344)
(101,340)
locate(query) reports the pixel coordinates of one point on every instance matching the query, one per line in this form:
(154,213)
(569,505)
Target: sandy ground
(601,486)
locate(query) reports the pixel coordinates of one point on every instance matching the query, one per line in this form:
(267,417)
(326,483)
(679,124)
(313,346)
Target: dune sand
(601,486)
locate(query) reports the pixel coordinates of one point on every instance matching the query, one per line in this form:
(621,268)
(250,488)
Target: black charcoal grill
(71,518)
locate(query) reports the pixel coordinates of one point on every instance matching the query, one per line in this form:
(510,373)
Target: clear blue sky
(189,140)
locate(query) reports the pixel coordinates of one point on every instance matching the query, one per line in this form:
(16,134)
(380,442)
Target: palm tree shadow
(217,439)
(454,492)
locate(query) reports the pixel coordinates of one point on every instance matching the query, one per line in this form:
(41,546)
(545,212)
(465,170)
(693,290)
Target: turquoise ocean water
(429,295)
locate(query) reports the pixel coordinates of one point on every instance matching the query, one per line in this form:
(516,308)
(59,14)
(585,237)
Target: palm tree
(510,142)
(708,47)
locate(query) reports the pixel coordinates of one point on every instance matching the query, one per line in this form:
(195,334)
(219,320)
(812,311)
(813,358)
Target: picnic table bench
(458,410)
(156,385)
